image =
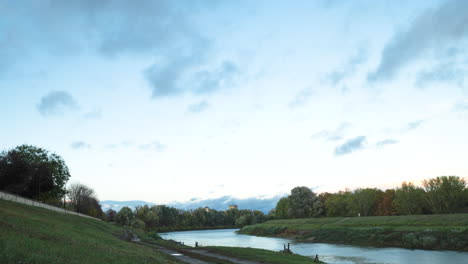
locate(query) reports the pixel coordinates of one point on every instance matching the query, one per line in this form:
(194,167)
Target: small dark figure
(316,258)
(196,244)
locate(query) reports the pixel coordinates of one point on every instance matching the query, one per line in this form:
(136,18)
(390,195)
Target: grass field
(35,235)
(415,231)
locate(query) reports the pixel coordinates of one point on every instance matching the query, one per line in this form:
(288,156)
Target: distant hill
(254,203)
(117,205)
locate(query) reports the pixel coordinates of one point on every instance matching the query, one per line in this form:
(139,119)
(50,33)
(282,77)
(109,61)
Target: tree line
(440,195)
(165,218)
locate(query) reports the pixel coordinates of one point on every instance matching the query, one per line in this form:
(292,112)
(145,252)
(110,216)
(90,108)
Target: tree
(33,172)
(282,208)
(409,199)
(301,202)
(125,216)
(83,199)
(365,201)
(445,194)
(111,215)
(385,206)
(339,204)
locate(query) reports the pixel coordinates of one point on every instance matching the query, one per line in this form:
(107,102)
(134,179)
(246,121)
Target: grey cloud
(94,114)
(413,125)
(386,142)
(198,107)
(80,145)
(210,81)
(350,146)
(124,144)
(56,103)
(435,29)
(302,97)
(333,135)
(156,146)
(441,73)
(349,69)
(165,30)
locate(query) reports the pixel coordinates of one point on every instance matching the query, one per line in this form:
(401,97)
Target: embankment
(437,232)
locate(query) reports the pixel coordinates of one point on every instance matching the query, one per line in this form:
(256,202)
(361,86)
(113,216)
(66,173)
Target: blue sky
(172,100)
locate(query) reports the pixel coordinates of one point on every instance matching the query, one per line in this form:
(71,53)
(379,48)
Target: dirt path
(222,257)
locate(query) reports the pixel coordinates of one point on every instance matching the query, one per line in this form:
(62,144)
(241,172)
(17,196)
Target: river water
(330,253)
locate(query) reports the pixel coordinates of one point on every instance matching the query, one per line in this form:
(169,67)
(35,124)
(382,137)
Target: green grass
(261,255)
(407,222)
(416,231)
(35,235)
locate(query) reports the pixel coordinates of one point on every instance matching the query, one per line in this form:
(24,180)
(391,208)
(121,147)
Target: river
(330,253)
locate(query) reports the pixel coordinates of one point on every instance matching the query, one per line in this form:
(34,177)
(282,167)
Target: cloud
(349,69)
(302,97)
(413,125)
(198,107)
(451,66)
(56,103)
(350,146)
(210,81)
(433,30)
(333,135)
(80,145)
(386,142)
(168,32)
(93,114)
(156,146)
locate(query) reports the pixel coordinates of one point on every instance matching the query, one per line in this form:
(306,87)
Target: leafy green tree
(409,199)
(301,202)
(125,216)
(445,194)
(339,204)
(282,208)
(365,201)
(33,172)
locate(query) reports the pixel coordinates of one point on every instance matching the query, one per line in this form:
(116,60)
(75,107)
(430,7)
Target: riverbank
(226,255)
(165,229)
(435,232)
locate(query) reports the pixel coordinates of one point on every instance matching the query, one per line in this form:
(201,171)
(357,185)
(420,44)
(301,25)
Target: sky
(167,101)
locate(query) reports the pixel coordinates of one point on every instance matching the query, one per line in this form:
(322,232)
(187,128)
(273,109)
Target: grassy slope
(416,231)
(36,235)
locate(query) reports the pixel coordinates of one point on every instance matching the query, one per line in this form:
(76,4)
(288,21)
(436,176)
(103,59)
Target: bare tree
(80,197)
